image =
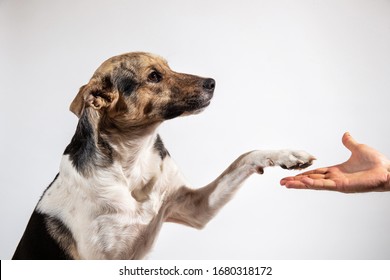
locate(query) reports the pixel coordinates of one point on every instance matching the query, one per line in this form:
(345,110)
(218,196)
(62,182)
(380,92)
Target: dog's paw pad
(295,160)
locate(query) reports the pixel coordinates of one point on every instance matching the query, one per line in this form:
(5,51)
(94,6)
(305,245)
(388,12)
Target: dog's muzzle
(209,85)
(208,89)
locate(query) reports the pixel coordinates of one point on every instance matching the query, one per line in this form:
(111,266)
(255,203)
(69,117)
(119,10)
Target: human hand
(366,170)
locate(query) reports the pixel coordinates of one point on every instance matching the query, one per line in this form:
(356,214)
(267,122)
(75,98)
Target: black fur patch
(126,85)
(148,108)
(106,83)
(160,148)
(172,110)
(82,148)
(37,243)
(106,149)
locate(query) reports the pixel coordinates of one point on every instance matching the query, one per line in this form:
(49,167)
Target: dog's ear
(77,105)
(95,95)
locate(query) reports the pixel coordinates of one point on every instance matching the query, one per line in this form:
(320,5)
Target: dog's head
(140,88)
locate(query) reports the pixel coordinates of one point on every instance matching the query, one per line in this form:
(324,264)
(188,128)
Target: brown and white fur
(117,183)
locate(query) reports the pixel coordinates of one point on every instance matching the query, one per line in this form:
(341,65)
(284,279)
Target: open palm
(366,170)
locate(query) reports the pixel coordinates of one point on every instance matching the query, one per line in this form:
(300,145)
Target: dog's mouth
(195,103)
(198,106)
(202,99)
(190,106)
(199,102)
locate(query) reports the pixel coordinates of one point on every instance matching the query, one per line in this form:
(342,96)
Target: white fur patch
(104,218)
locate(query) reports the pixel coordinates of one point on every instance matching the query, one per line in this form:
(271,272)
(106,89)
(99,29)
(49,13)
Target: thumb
(349,142)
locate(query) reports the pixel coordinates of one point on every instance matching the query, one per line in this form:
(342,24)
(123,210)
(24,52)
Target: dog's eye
(155,77)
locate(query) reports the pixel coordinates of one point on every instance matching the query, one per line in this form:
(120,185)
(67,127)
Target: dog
(117,183)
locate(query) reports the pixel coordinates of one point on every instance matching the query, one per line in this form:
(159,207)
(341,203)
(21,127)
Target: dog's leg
(195,207)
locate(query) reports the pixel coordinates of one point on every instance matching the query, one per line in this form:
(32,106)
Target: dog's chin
(197,106)
(190,107)
(201,108)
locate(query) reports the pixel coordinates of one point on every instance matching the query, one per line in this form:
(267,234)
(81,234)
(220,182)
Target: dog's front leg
(195,207)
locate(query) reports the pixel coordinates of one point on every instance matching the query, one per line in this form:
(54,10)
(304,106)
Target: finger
(311,174)
(349,142)
(295,185)
(313,184)
(322,170)
(285,180)
(319,184)
(297,180)
(317,176)
(291,178)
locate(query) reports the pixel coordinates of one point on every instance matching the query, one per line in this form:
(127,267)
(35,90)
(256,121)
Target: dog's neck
(134,150)
(100,142)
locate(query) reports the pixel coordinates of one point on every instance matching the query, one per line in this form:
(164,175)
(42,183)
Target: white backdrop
(290,74)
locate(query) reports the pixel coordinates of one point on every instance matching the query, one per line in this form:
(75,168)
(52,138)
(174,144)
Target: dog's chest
(109,226)
(125,234)
(108,217)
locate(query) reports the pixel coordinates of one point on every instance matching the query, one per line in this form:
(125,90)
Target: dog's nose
(209,84)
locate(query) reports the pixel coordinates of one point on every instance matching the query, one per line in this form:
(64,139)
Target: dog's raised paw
(291,159)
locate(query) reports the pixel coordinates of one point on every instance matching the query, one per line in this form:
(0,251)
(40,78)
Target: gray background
(290,74)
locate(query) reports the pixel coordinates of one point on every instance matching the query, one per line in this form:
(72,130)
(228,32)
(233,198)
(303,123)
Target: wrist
(387,186)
